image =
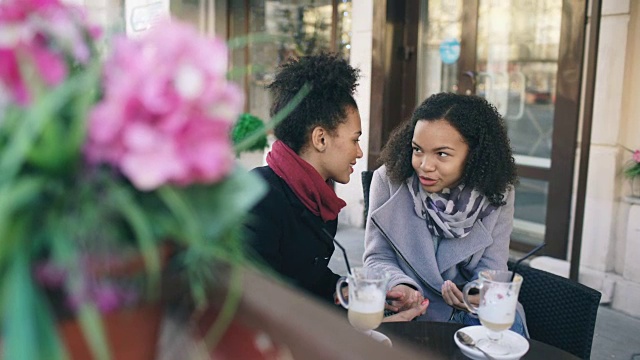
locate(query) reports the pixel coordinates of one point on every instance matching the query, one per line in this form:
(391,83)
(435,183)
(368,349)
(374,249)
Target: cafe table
(437,337)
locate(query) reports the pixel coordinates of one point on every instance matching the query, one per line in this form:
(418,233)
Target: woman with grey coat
(441,207)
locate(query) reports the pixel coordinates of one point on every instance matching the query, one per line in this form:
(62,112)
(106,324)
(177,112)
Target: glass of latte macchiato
(497,299)
(367,293)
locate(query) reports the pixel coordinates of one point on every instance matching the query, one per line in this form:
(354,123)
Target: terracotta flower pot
(131,334)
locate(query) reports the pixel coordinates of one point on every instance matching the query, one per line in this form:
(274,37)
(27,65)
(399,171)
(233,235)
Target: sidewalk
(617,335)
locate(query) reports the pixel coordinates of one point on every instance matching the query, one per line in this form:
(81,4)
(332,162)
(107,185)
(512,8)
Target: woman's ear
(318,139)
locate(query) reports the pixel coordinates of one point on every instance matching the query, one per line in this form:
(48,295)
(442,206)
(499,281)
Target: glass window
(282,29)
(530,211)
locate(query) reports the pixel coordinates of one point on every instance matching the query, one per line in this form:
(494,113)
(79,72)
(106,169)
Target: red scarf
(305,181)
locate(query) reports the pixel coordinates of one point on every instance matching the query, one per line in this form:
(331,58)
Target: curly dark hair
(333,82)
(489,167)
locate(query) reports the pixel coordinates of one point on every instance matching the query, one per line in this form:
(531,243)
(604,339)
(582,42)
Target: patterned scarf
(450,213)
(308,185)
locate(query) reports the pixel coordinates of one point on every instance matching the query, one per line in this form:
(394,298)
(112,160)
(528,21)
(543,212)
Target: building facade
(611,223)
(529,58)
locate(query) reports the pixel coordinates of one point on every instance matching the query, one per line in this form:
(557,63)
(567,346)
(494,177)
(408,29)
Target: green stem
(183,213)
(228,310)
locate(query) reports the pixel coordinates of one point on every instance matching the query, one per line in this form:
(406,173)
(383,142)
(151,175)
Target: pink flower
(49,275)
(42,36)
(636,156)
(167,109)
(106,295)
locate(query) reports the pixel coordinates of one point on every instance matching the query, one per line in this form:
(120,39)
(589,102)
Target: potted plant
(632,172)
(112,166)
(117,174)
(250,129)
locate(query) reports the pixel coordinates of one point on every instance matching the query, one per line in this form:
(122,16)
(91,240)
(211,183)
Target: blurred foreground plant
(101,161)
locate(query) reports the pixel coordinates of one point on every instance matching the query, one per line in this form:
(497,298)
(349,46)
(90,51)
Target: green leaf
(13,197)
(22,139)
(228,310)
(49,342)
(141,224)
(64,134)
(19,322)
(31,124)
(93,331)
(184,213)
(227,202)
(28,329)
(633,170)
(64,252)
(209,214)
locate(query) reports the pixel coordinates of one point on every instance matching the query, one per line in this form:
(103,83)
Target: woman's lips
(425,181)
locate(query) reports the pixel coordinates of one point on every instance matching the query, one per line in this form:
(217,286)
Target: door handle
(489,83)
(523,94)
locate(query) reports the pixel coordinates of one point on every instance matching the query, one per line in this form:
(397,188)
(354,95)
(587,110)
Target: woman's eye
(443,154)
(416,149)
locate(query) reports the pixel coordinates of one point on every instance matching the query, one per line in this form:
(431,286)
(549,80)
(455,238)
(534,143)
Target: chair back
(559,311)
(367,175)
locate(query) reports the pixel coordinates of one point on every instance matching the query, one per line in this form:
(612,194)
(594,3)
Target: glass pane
(517,61)
(441,27)
(530,211)
(189,11)
(300,27)
(263,58)
(343,29)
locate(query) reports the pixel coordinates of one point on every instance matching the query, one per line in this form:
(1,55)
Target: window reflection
(518,47)
(530,211)
(297,28)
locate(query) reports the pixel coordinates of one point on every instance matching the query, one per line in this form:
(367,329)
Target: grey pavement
(617,335)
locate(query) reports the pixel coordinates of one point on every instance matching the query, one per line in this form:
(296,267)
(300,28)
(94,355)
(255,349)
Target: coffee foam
(369,299)
(498,306)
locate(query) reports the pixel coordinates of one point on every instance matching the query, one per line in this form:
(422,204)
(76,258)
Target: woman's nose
(427,163)
(359,154)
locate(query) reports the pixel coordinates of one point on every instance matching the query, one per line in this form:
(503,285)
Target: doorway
(525,57)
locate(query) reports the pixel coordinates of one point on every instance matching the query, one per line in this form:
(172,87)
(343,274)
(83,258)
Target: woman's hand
(345,295)
(410,314)
(403,297)
(453,296)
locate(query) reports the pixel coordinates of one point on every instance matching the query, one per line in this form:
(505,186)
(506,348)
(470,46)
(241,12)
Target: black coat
(290,238)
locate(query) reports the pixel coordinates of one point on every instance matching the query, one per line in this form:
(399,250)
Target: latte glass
(367,292)
(498,298)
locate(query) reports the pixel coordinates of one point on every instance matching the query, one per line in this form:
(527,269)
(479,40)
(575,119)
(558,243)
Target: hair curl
(333,82)
(489,166)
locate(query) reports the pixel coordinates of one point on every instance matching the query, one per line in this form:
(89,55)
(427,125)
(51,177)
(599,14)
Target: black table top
(438,338)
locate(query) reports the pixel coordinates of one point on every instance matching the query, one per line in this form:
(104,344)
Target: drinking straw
(344,252)
(515,266)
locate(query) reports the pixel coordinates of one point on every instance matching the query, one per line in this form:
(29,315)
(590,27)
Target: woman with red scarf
(291,229)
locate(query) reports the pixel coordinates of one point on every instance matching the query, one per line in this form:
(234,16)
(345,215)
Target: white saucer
(380,337)
(518,343)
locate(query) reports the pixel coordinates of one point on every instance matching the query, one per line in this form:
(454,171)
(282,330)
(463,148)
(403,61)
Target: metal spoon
(468,340)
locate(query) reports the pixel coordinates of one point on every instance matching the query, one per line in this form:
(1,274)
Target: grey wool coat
(398,241)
